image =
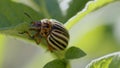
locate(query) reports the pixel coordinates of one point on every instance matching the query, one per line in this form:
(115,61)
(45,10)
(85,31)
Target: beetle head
(35,25)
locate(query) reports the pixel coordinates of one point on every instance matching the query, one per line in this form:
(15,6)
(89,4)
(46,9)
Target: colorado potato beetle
(54,32)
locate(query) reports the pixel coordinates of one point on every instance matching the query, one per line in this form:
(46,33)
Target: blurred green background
(97,33)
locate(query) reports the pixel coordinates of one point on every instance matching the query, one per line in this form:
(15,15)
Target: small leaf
(74,52)
(56,12)
(50,9)
(57,63)
(75,6)
(109,61)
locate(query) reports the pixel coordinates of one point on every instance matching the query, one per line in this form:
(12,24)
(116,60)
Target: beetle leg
(35,36)
(26,32)
(50,48)
(37,39)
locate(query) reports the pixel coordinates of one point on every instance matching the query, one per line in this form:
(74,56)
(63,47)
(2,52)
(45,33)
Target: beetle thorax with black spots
(46,27)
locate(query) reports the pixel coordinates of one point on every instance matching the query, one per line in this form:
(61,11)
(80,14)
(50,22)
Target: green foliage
(12,17)
(74,53)
(75,6)
(13,21)
(109,61)
(12,14)
(57,63)
(1,50)
(92,6)
(46,7)
(71,53)
(50,9)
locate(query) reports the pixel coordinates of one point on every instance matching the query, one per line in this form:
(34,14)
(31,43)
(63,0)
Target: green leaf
(74,53)
(50,8)
(54,10)
(108,61)
(2,42)
(91,6)
(12,18)
(91,32)
(74,7)
(57,63)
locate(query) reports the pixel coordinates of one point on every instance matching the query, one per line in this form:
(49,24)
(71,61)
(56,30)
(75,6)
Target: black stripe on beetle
(60,36)
(59,41)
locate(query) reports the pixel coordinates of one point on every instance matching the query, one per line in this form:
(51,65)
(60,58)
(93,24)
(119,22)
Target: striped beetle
(54,32)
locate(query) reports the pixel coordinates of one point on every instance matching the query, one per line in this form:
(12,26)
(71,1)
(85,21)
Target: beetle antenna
(28,16)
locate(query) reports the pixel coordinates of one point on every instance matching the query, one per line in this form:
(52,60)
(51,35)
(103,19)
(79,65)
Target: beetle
(56,35)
